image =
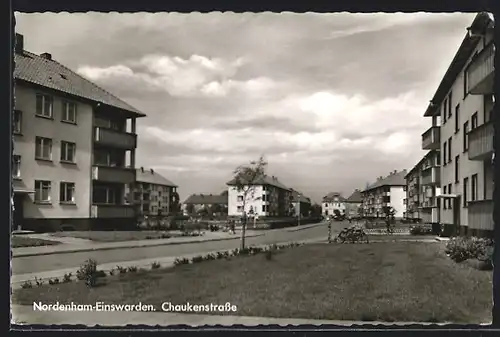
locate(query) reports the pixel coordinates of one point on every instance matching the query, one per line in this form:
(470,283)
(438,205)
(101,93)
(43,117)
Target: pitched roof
(152,177)
(330,196)
(393,179)
(303,198)
(200,199)
(51,74)
(355,197)
(264,180)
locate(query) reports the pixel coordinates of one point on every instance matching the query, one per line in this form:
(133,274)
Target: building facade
(270,198)
(301,204)
(389,191)
(71,143)
(353,204)
(214,204)
(153,194)
(462,111)
(331,202)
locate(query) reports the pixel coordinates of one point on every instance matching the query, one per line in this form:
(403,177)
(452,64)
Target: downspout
(496,196)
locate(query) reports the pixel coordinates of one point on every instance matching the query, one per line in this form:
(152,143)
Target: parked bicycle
(352,234)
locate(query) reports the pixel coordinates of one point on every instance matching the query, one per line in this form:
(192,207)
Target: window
(405,188)
(474,121)
(240,208)
(444,153)
(16,166)
(264,197)
(450,204)
(67,192)
(445,109)
(44,105)
(240,198)
(449,105)
(457,169)
(18,121)
(264,208)
(473,188)
(105,195)
(68,151)
(42,191)
(465,188)
(457,118)
(43,148)
(264,188)
(449,150)
(465,81)
(69,112)
(444,192)
(466,136)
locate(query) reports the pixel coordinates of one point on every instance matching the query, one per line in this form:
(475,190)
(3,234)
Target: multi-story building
(270,198)
(153,194)
(385,192)
(422,190)
(331,202)
(70,147)
(464,104)
(213,203)
(301,204)
(353,204)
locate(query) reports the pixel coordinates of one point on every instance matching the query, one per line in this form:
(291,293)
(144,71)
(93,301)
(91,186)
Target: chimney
(19,43)
(46,56)
(152,172)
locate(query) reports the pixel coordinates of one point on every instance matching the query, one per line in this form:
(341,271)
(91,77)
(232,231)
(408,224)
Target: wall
(32,169)
(250,202)
(331,206)
(397,195)
(352,208)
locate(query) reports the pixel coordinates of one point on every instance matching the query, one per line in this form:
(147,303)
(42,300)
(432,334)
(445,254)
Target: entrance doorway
(18,213)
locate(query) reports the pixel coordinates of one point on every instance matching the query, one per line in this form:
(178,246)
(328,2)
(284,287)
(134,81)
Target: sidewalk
(24,314)
(83,245)
(302,227)
(17,279)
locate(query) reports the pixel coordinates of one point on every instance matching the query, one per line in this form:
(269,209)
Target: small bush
(462,248)
(149,237)
(100,273)
(26,285)
(132,269)
(121,270)
(220,255)
(111,272)
(178,262)
(67,278)
(88,272)
(197,259)
(165,236)
(38,282)
(54,281)
(155,265)
(209,257)
(421,230)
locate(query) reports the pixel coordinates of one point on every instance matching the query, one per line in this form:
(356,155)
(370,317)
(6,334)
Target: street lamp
(298,201)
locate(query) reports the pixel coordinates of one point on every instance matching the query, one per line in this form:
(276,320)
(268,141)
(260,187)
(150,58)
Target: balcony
(431,138)
(109,137)
(480,73)
(481,142)
(113,174)
(112,211)
(480,214)
(431,176)
(429,203)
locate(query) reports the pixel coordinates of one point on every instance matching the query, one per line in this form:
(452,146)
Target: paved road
(22,265)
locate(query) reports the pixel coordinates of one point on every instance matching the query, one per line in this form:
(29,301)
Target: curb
(303,227)
(69,251)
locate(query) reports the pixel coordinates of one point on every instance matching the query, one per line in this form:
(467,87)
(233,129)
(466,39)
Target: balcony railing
(429,203)
(112,211)
(481,142)
(480,73)
(431,176)
(123,140)
(431,138)
(480,214)
(113,174)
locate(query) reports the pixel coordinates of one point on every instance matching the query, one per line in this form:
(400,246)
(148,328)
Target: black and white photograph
(251,169)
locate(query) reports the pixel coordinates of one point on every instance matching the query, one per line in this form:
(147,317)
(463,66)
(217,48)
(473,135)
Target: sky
(332,101)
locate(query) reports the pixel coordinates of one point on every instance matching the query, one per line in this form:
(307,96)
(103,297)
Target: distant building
(353,204)
(271,198)
(386,192)
(212,203)
(153,194)
(331,202)
(300,203)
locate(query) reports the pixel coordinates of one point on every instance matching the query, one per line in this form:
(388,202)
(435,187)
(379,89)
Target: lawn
(22,241)
(393,281)
(117,236)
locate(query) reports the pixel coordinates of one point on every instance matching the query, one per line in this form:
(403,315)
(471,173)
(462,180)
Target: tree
(245,179)
(189,209)
(389,213)
(316,210)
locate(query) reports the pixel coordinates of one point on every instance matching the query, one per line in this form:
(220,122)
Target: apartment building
(301,204)
(70,148)
(213,203)
(423,189)
(331,202)
(353,204)
(153,194)
(389,191)
(461,112)
(271,198)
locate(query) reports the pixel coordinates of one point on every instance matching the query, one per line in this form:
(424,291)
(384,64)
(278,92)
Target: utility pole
(298,218)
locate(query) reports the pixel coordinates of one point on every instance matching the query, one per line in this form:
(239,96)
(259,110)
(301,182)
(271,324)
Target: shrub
(178,262)
(122,270)
(54,281)
(100,273)
(26,285)
(421,230)
(132,269)
(88,272)
(197,259)
(165,236)
(111,272)
(38,282)
(67,278)
(220,255)
(155,265)
(209,257)
(461,248)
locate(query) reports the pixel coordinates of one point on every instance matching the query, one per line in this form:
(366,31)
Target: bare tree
(245,181)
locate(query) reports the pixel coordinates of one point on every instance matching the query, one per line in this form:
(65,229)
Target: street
(41,263)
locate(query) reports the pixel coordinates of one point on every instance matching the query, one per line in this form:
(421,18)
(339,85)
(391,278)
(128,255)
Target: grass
(21,241)
(393,281)
(117,236)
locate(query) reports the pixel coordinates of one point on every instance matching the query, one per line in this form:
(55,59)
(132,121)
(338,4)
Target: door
(456,213)
(17,217)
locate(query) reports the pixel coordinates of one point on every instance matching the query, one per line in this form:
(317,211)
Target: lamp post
(298,217)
